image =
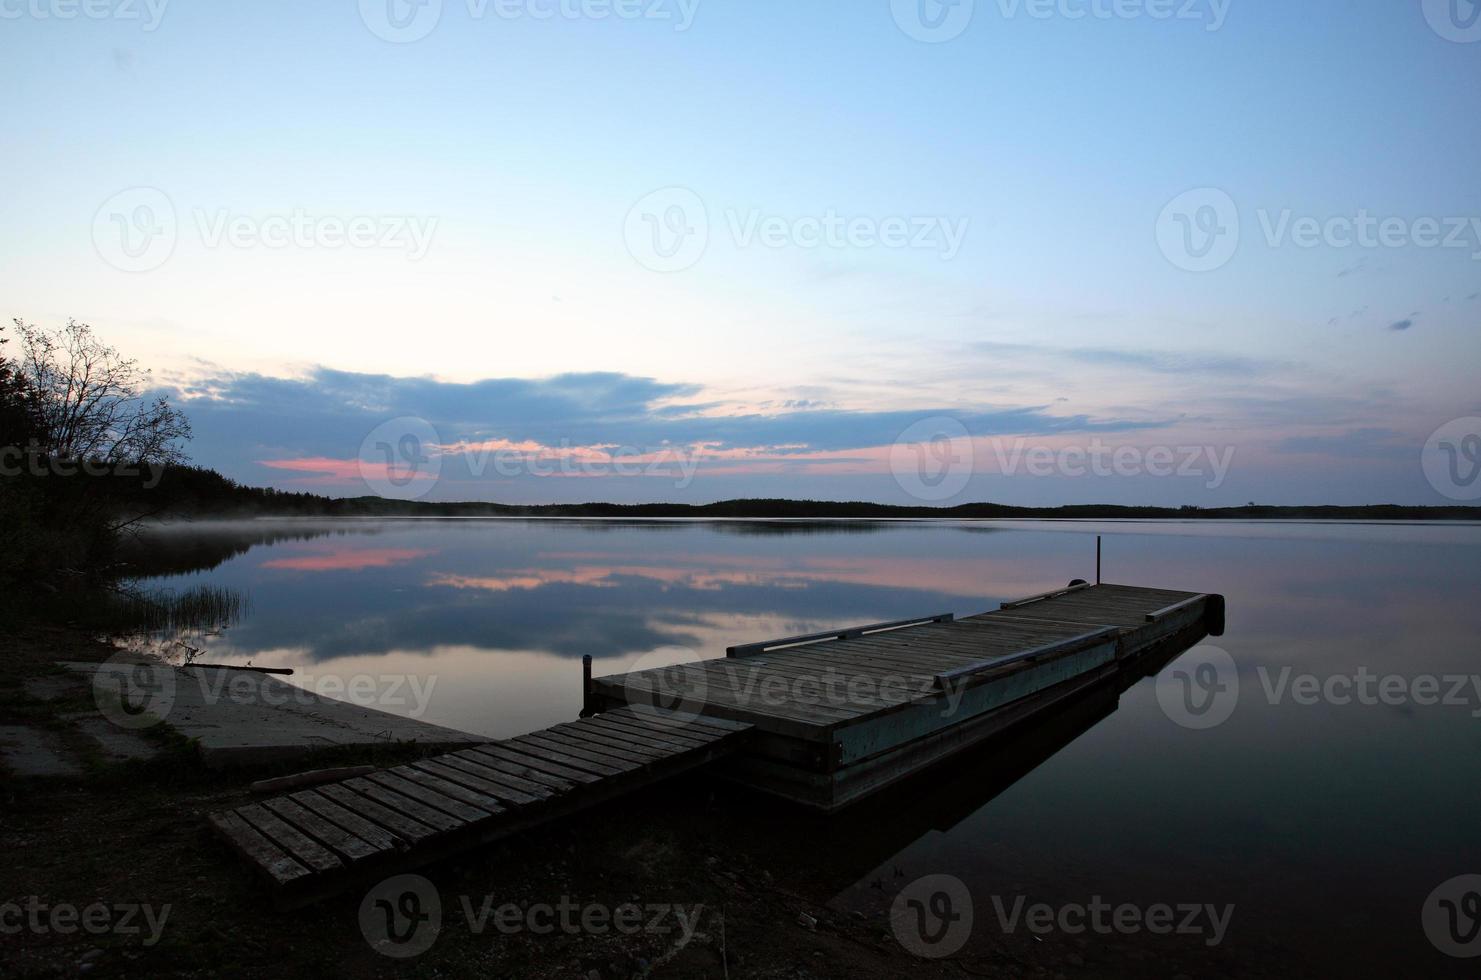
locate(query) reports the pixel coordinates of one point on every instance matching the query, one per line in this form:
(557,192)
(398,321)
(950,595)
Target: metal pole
(586,685)
(1097,559)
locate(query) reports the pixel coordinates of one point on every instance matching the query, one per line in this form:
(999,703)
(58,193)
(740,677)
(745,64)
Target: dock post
(586,686)
(1097,559)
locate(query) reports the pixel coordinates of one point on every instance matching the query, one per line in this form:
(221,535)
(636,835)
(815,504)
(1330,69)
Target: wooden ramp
(319,841)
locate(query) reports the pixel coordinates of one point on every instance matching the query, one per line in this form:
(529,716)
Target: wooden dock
(840,715)
(823,720)
(319,841)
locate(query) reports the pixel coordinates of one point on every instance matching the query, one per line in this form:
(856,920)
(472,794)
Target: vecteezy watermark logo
(408,695)
(1452,458)
(1201,688)
(30,460)
(401,458)
(401,916)
(1211,13)
(148,12)
(572,918)
(932,21)
(135,229)
(932,459)
(1367,688)
(932,916)
(1452,917)
(401,21)
(1101,918)
(133,695)
(666,687)
(924,232)
(43,918)
(1198,231)
(1369,231)
(1096,458)
(667,230)
(300,229)
(1454,20)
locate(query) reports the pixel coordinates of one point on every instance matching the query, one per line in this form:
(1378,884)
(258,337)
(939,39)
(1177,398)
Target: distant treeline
(190,491)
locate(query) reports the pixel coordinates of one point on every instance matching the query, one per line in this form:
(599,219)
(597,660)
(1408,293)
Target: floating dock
(840,715)
(823,720)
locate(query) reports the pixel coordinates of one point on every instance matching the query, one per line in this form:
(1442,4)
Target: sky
(1180,252)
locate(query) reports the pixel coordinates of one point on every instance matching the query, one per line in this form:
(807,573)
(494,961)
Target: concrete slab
(118,745)
(243,717)
(35,752)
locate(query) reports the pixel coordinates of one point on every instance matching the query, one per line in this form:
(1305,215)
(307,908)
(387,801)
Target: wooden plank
(574,738)
(417,810)
(506,767)
(1052,593)
(343,843)
(483,778)
(1048,650)
(306,850)
(534,761)
(849,660)
(653,736)
(415,789)
(849,632)
(852,681)
(652,740)
(844,687)
(615,694)
(691,737)
(565,756)
(475,798)
(735,684)
(1165,611)
(723,725)
(460,786)
(394,820)
(605,741)
(373,834)
(260,852)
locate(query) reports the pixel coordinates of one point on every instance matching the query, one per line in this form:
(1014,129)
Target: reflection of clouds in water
(347,559)
(947,576)
(1220,814)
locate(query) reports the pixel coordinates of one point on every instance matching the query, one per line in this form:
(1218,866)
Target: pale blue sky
(1050,144)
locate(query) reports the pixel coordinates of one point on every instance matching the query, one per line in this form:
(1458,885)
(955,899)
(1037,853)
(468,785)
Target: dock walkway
(318,841)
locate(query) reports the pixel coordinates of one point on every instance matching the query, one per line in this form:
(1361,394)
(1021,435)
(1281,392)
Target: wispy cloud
(1159,362)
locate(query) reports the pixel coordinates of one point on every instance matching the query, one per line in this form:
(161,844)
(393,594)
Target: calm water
(1326,824)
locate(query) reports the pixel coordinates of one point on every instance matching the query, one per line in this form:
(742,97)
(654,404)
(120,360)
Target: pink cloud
(330,472)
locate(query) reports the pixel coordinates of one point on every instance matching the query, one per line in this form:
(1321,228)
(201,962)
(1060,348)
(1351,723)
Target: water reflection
(1278,810)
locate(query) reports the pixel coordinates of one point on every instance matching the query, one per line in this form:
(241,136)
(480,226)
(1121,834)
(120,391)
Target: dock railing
(849,633)
(945,678)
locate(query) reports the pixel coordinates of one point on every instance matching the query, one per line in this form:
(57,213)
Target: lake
(1343,787)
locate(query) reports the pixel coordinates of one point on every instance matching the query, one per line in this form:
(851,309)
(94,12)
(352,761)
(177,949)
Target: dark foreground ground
(766,891)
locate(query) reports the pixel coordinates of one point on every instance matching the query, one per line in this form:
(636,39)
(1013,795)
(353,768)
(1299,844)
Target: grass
(130,611)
